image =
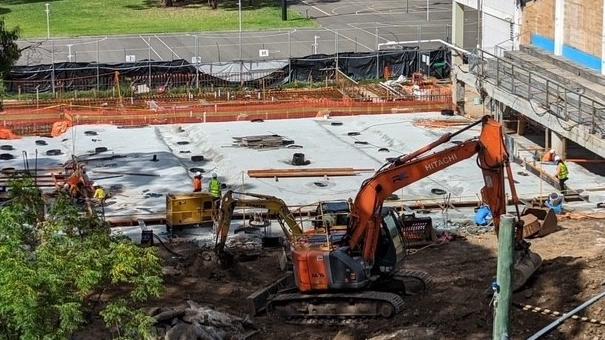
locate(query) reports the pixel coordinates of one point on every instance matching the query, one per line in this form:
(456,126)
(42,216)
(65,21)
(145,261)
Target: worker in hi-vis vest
(562,173)
(215,187)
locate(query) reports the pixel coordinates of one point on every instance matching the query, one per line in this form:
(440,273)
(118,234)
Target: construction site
(424,190)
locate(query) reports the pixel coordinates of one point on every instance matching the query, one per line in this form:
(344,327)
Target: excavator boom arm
(492,159)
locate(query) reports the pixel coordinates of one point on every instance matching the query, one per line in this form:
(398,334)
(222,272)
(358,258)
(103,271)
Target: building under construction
(374,195)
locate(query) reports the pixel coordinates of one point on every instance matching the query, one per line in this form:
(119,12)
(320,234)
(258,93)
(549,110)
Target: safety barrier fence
(57,119)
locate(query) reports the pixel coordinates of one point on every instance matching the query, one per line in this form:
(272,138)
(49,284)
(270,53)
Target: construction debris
(440,123)
(262,141)
(193,321)
(313,172)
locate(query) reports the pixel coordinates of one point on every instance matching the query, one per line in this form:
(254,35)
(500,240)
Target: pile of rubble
(192,321)
(262,141)
(245,243)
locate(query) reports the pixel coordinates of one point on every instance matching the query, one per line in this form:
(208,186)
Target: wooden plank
(309,170)
(124,173)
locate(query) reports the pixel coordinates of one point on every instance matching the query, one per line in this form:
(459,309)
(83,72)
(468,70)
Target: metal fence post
(497,71)
(336,47)
(289,56)
(98,76)
(377,56)
(52,58)
(197,63)
(149,61)
(419,37)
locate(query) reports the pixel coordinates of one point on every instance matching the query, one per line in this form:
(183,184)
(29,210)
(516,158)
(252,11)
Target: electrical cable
(167,248)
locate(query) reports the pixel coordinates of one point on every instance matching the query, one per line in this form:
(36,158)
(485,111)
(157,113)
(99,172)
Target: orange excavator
(356,274)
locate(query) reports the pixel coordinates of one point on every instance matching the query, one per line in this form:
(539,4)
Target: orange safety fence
(7,134)
(56,120)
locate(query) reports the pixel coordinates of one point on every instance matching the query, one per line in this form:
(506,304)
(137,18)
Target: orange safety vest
(197,184)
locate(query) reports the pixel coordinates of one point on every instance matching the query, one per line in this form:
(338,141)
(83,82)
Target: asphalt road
(345,25)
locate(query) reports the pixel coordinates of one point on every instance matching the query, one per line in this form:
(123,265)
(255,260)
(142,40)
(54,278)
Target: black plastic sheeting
(372,65)
(176,73)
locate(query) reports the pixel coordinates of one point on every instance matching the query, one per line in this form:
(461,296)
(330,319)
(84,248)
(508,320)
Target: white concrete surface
(323,144)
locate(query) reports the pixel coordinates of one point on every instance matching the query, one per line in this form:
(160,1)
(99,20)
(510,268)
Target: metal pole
(197,63)
(407,6)
(336,47)
(149,61)
(503,287)
(289,44)
(377,55)
(52,58)
(98,77)
(419,32)
(47,21)
(240,29)
(565,316)
(289,57)
(428,10)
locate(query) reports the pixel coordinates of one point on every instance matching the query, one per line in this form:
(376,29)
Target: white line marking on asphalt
(368,32)
(316,8)
(151,47)
(353,40)
(168,47)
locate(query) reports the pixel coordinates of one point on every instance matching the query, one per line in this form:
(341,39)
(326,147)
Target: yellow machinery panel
(183,209)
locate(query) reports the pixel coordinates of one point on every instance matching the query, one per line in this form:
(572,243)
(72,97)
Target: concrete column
(559,26)
(546,138)
(559,143)
(457,27)
(521,126)
(458,96)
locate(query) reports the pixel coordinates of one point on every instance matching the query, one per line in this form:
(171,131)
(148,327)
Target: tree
(9,50)
(53,268)
(9,53)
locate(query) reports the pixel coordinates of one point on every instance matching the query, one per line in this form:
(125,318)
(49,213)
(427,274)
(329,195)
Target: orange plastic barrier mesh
(7,134)
(57,119)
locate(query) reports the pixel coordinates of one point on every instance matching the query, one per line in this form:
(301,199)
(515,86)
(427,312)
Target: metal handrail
(505,69)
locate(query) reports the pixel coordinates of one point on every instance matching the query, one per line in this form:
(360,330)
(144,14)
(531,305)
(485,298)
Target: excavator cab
(333,266)
(391,250)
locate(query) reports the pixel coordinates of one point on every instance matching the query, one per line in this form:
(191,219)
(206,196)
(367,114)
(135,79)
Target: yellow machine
(188,209)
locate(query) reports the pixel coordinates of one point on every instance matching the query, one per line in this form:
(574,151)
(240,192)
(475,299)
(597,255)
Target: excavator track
(415,282)
(348,308)
(334,308)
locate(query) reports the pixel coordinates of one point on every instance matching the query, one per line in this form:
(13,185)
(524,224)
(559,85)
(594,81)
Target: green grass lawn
(70,18)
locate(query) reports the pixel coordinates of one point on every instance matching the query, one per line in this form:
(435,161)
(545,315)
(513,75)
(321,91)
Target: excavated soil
(457,306)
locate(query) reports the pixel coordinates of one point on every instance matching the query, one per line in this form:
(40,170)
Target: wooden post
(504,278)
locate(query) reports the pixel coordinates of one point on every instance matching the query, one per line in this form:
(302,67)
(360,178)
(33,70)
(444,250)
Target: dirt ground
(457,306)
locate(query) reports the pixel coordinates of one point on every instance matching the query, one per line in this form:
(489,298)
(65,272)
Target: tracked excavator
(356,274)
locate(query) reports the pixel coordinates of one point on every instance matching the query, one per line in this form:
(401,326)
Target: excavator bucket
(417,231)
(526,263)
(538,222)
